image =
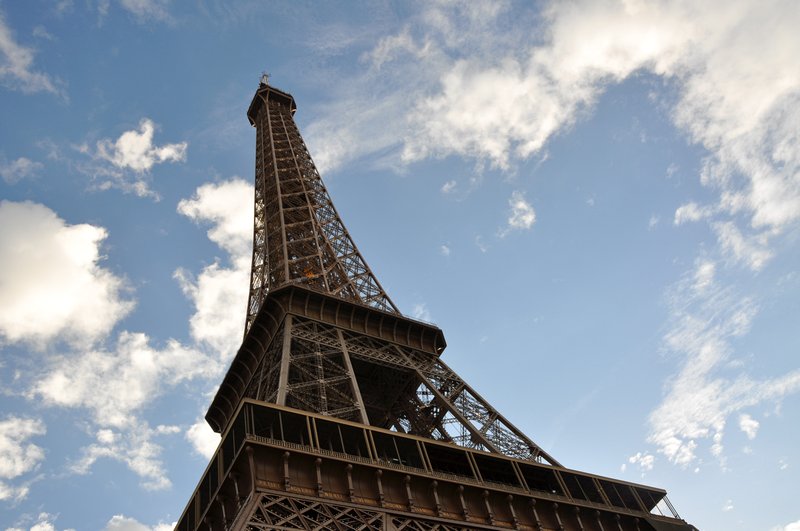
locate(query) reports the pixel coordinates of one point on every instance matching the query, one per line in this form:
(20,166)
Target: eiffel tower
(337,411)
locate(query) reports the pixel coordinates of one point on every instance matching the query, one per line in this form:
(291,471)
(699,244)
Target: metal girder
(298,237)
(433,400)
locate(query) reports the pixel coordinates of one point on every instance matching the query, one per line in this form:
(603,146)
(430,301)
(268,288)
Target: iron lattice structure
(298,236)
(338,412)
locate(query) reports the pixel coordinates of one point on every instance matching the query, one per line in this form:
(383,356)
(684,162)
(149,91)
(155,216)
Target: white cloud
(219,291)
(228,206)
(748,425)
(794,526)
(751,250)
(16,170)
(728,506)
(691,212)
(480,244)
(125,523)
(125,163)
(18,456)
(41,32)
(147,9)
(203,438)
(135,149)
(703,275)
(522,215)
(16,65)
(44,522)
(706,321)
(449,187)
(116,384)
(78,300)
(444,250)
(644,461)
(135,446)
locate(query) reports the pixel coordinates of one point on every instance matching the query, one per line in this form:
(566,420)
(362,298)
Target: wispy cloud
(143,11)
(121,522)
(147,9)
(449,187)
(420,311)
(16,170)
(643,461)
(793,526)
(521,215)
(18,455)
(79,301)
(707,320)
(473,94)
(16,66)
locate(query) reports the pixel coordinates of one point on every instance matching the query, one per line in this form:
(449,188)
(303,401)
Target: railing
(272,425)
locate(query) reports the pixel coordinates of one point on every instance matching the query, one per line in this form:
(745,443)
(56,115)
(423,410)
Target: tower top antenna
(264,78)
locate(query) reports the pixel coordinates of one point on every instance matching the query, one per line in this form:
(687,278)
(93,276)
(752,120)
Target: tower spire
(298,236)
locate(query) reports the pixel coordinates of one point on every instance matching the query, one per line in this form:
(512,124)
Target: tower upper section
(298,236)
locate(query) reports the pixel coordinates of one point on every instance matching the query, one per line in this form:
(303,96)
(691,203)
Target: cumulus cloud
(203,438)
(117,383)
(17,170)
(135,149)
(522,215)
(227,206)
(16,65)
(707,319)
(78,300)
(126,162)
(18,456)
(703,275)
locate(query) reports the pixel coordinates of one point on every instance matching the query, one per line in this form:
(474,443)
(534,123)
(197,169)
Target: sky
(597,201)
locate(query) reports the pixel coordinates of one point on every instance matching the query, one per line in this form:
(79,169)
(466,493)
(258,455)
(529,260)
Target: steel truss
(406,389)
(337,411)
(298,237)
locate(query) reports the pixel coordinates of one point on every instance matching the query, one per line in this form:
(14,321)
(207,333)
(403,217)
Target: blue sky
(598,202)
